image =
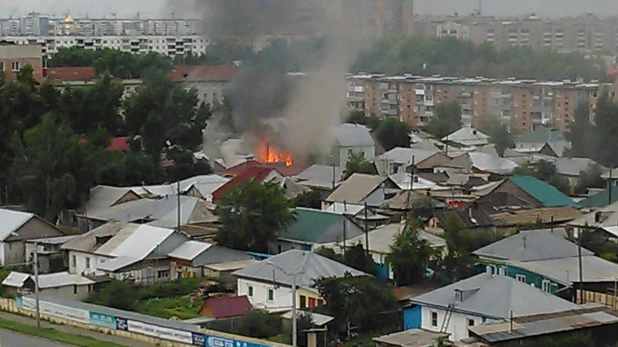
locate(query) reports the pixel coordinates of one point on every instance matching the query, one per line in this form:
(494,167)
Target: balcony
(428,103)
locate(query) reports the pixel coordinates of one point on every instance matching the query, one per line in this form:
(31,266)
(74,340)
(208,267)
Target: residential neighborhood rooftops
(575,166)
(309,267)
(545,193)
(52,280)
(320,176)
(565,270)
(381,239)
(482,162)
(467,136)
(356,188)
(189,250)
(353,135)
(317,226)
(495,297)
(540,135)
(405,156)
(531,246)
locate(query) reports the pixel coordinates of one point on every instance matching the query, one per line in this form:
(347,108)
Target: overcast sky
(157,8)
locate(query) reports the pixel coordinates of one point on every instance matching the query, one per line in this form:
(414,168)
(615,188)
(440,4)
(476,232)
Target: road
(12,339)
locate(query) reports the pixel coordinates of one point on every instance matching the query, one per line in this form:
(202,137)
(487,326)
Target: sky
(158,8)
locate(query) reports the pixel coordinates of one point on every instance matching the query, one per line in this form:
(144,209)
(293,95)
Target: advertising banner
(198,339)
(102,320)
(217,341)
(160,332)
(122,324)
(55,310)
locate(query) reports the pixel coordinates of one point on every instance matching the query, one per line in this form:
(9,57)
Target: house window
(546,286)
(313,302)
(434,319)
(320,302)
(15,66)
(163,274)
(470,322)
(75,289)
(1,66)
(303,301)
(350,152)
(87,263)
(521,278)
(271,295)
(250,291)
(502,271)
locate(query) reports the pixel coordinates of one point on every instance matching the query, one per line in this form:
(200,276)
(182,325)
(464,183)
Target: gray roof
(574,166)
(53,240)
(320,176)
(603,217)
(482,162)
(104,197)
(12,221)
(404,156)
(53,280)
(87,242)
(381,239)
(353,135)
(566,270)
(356,188)
(189,250)
(467,136)
(494,296)
(309,267)
(531,246)
(205,184)
(410,338)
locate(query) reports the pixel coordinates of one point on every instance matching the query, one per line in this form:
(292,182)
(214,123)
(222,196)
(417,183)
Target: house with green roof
(523,191)
(553,137)
(314,229)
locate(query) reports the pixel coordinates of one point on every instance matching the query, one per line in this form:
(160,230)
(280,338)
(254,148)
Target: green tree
(356,117)
(358,164)
(581,132)
(360,302)
(259,324)
(605,131)
(393,133)
(185,166)
(356,257)
(590,179)
(560,183)
(252,214)
(497,132)
(116,294)
(309,199)
(446,120)
(410,256)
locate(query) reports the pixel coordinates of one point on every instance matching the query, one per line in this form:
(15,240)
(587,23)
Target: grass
(55,335)
(182,307)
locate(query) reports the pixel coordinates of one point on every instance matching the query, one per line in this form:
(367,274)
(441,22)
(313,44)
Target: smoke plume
(310,103)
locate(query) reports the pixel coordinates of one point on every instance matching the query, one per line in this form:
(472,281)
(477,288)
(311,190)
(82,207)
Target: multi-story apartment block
(521,104)
(14,57)
(380,18)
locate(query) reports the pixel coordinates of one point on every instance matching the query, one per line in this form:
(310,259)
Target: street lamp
(294,280)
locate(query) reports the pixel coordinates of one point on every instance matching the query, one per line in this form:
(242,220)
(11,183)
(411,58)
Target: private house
(252,174)
(268,284)
(381,239)
(359,214)
(202,186)
(321,178)
(572,168)
(550,263)
(124,251)
(407,181)
(60,285)
(190,258)
(478,300)
(104,197)
(352,139)
(544,135)
(223,307)
(602,198)
(402,159)
(314,229)
(531,150)
(161,212)
(51,256)
(603,220)
(16,229)
(281,168)
(480,164)
(361,188)
(467,137)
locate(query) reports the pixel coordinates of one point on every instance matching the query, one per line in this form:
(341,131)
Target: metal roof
(566,270)
(316,318)
(309,267)
(318,226)
(53,240)
(53,280)
(15,279)
(142,241)
(531,246)
(493,296)
(353,135)
(467,136)
(381,239)
(118,263)
(575,166)
(356,188)
(404,155)
(411,338)
(483,162)
(320,176)
(189,250)
(12,221)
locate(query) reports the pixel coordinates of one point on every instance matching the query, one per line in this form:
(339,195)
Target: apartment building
(381,18)
(521,104)
(166,45)
(14,57)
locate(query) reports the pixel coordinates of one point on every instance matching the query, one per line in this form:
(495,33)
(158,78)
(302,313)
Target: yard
(181,307)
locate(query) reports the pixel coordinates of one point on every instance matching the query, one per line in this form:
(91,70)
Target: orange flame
(268,153)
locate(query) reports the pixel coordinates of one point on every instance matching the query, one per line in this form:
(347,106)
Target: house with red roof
(282,169)
(119,143)
(257,173)
(225,307)
(70,75)
(209,80)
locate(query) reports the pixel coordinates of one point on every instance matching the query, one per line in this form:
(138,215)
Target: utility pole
(609,187)
(178,204)
(36,285)
(581,275)
(366,231)
(294,318)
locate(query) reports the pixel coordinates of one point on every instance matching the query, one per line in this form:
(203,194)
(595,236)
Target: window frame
(270,295)
(434,317)
(250,291)
(521,278)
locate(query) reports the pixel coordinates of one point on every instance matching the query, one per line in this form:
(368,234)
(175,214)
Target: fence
(126,324)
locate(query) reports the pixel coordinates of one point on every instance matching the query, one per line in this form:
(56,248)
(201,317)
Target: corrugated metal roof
(356,188)
(15,279)
(320,176)
(309,267)
(143,241)
(118,263)
(404,155)
(575,166)
(544,192)
(12,221)
(189,250)
(483,162)
(317,226)
(565,270)
(381,239)
(467,136)
(353,135)
(53,280)
(53,240)
(88,242)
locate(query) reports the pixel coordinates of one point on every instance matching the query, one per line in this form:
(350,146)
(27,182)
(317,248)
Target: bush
(179,287)
(117,294)
(259,324)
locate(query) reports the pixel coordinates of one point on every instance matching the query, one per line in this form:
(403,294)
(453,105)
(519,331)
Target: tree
(356,117)
(259,324)
(358,164)
(356,257)
(497,132)
(359,302)
(252,214)
(185,165)
(309,199)
(560,183)
(116,294)
(446,120)
(410,256)
(393,133)
(590,178)
(580,131)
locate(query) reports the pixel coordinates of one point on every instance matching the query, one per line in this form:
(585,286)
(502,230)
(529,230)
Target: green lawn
(182,307)
(56,335)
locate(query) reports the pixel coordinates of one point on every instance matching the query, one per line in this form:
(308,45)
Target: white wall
(369,153)
(458,324)
(282,298)
(79,266)
(68,292)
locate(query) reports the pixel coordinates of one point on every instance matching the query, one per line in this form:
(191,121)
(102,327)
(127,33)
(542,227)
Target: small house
(61,285)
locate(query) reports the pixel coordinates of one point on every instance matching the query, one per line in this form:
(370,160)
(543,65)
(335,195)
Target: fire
(268,153)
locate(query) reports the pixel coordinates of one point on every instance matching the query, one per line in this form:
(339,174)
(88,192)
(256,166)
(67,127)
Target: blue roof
(544,192)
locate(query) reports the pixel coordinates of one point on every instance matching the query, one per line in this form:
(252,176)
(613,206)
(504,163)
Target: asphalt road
(12,339)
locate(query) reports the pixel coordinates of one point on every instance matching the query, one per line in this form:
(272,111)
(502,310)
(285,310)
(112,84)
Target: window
(313,302)
(87,263)
(163,273)
(434,319)
(502,271)
(521,278)
(303,301)
(75,289)
(546,286)
(1,66)
(271,295)
(350,152)
(74,261)
(15,66)
(250,291)
(470,322)
(320,302)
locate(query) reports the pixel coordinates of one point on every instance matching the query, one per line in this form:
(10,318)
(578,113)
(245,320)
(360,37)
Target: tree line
(54,144)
